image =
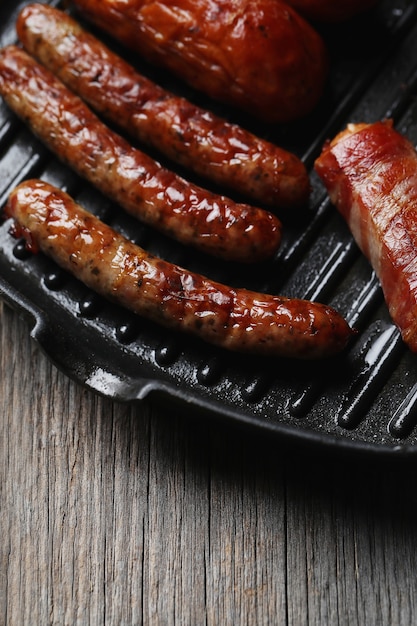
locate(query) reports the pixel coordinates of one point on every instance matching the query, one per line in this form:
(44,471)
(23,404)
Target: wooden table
(114,514)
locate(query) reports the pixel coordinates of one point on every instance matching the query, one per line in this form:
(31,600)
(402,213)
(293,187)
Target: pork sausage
(330,10)
(236,319)
(152,193)
(370,171)
(257,55)
(220,151)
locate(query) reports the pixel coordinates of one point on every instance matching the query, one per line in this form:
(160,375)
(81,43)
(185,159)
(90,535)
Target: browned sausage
(218,150)
(330,10)
(258,55)
(370,171)
(157,196)
(236,319)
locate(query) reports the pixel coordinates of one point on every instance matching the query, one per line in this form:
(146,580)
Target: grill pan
(364,400)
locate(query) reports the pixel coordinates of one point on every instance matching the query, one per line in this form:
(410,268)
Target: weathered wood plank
(114,514)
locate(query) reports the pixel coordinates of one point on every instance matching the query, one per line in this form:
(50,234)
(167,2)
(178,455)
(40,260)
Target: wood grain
(114,514)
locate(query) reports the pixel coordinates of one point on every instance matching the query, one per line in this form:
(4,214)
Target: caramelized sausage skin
(257,55)
(214,224)
(193,137)
(331,10)
(370,171)
(236,319)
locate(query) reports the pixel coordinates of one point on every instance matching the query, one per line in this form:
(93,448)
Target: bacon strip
(370,172)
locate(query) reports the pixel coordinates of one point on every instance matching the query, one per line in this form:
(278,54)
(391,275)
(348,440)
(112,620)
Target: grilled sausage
(257,55)
(157,196)
(197,139)
(330,10)
(236,319)
(370,171)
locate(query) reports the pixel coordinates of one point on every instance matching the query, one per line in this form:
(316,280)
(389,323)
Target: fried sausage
(257,55)
(193,137)
(370,171)
(150,192)
(331,10)
(236,319)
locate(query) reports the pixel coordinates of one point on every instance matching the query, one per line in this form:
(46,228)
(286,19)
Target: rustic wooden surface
(113,514)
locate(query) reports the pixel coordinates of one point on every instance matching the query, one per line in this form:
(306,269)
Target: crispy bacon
(370,172)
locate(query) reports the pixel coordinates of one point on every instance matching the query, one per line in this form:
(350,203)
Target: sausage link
(258,55)
(193,137)
(236,319)
(150,192)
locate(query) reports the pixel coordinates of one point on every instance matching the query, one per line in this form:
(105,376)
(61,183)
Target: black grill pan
(362,401)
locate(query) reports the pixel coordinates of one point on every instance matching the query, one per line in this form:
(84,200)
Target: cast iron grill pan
(364,400)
